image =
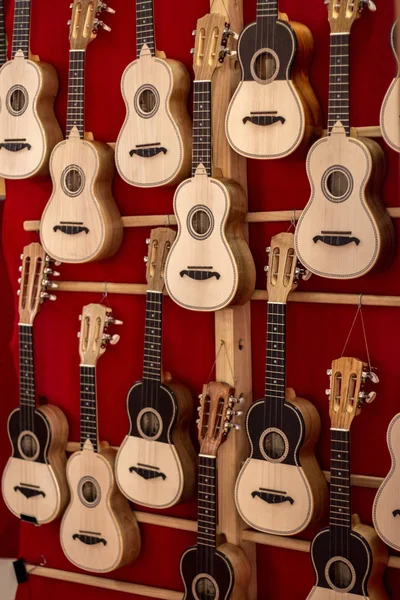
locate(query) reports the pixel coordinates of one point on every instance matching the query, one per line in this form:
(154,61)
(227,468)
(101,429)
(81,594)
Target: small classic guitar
(155,464)
(348,557)
(34,485)
(211,571)
(274,110)
(29,129)
(281,488)
(344,230)
(209,265)
(154,144)
(81,222)
(390,112)
(99,531)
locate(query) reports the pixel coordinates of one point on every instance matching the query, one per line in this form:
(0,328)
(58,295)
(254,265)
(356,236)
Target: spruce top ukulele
(209,265)
(154,145)
(29,130)
(99,531)
(348,557)
(155,465)
(344,230)
(211,571)
(274,110)
(281,489)
(390,112)
(34,485)
(81,222)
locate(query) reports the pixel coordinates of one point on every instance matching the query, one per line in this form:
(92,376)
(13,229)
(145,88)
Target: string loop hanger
(371,375)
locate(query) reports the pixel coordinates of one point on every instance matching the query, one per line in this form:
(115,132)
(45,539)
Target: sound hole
(89,491)
(147,101)
(205,589)
(73,180)
(337,184)
(200,222)
(265,66)
(28,445)
(274,445)
(150,424)
(340,575)
(17,100)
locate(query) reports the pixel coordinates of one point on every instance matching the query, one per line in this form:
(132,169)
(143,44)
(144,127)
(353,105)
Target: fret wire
(202,145)
(88,410)
(21,34)
(206,537)
(145,26)
(76,92)
(339,72)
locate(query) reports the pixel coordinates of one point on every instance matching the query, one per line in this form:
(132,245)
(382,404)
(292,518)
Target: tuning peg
(46,296)
(228,426)
(110,320)
(192,50)
(234,413)
(115,339)
(21,256)
(233,400)
(148,240)
(18,292)
(327,392)
(49,284)
(329,372)
(268,249)
(20,269)
(78,335)
(194,32)
(49,271)
(98,23)
(230,53)
(370,4)
(199,409)
(69,22)
(103,6)
(145,259)
(197,421)
(266,268)
(19,280)
(368,398)
(371,376)
(200,396)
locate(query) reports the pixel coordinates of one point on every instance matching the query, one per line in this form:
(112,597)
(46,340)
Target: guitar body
(270,117)
(390,112)
(155,465)
(29,129)
(386,509)
(344,230)
(209,265)
(99,531)
(361,578)
(81,222)
(154,145)
(34,486)
(231,574)
(282,495)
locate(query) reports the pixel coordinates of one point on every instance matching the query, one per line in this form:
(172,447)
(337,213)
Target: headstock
(160,242)
(215,415)
(212,35)
(34,282)
(343,13)
(282,270)
(85,22)
(346,395)
(93,339)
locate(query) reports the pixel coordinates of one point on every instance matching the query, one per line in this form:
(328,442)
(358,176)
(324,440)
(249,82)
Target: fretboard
(88,406)
(339,82)
(144,26)
(202,147)
(76,92)
(26,367)
(340,492)
(153,339)
(275,371)
(207,515)
(266,9)
(3,45)
(21,30)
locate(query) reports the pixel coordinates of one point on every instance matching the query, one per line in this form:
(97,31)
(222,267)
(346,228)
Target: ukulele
(155,465)
(390,112)
(27,92)
(210,571)
(98,531)
(34,485)
(348,557)
(344,230)
(154,145)
(281,488)
(209,265)
(274,110)
(81,222)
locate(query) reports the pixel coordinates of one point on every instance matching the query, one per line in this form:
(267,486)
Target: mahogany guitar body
(282,491)
(99,531)
(81,222)
(155,465)
(34,485)
(344,230)
(390,112)
(29,129)
(154,145)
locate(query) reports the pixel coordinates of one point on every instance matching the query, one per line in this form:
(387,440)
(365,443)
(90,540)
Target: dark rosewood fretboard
(27,390)
(3,45)
(21,30)
(339,82)
(275,371)
(152,344)
(144,26)
(88,406)
(340,497)
(266,9)
(76,92)
(202,147)
(207,517)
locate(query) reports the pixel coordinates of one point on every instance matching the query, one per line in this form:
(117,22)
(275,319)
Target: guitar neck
(339,82)
(145,26)
(266,9)
(202,147)
(340,493)
(26,368)
(76,92)
(275,371)
(207,513)
(152,341)
(3,44)
(88,406)
(22,26)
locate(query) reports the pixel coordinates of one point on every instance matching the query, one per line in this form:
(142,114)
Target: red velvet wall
(316,333)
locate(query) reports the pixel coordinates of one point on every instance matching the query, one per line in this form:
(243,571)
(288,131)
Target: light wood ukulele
(81,222)
(99,532)
(155,142)
(213,570)
(348,557)
(29,129)
(390,112)
(34,485)
(210,265)
(156,463)
(345,230)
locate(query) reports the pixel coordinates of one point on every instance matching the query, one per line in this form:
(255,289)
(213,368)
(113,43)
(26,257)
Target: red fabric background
(316,333)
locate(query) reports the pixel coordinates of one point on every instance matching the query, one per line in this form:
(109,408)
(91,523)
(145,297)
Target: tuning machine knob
(327,392)
(104,7)
(98,23)
(266,268)
(111,339)
(194,32)
(46,296)
(48,271)
(370,4)
(148,240)
(329,372)
(233,400)
(110,320)
(192,50)
(368,398)
(145,259)
(370,375)
(228,426)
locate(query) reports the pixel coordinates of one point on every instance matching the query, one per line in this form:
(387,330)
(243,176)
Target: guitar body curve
(210,269)
(28,125)
(98,531)
(282,496)
(81,222)
(344,230)
(34,485)
(158,470)
(390,111)
(154,145)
